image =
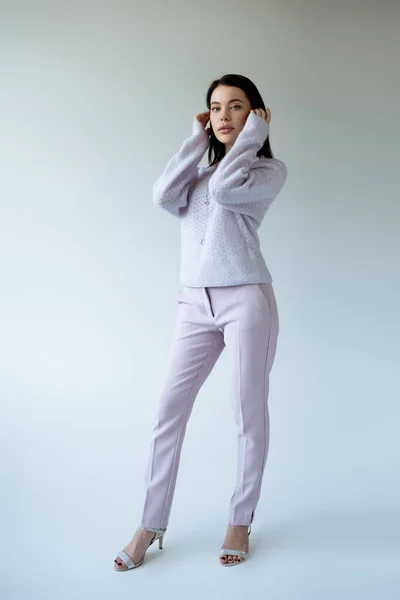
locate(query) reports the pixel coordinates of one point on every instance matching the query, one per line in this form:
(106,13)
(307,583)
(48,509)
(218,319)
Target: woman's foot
(237,538)
(136,548)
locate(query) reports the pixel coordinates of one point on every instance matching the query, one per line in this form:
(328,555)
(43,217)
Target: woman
(227,300)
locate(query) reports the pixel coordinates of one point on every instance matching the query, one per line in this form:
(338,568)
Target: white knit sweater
(221,207)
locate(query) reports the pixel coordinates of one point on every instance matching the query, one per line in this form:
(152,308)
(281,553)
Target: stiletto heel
(158,535)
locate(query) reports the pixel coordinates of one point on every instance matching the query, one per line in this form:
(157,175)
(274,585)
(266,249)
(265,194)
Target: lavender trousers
(245,319)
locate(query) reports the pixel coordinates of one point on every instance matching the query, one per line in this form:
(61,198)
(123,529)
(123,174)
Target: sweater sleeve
(170,190)
(243,182)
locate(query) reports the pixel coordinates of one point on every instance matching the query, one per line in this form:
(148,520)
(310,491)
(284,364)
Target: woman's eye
(234,106)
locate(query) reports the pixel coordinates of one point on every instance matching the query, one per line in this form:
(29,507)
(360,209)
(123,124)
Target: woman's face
(229,107)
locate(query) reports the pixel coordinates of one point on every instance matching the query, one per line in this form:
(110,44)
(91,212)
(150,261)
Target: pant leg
(251,339)
(197,343)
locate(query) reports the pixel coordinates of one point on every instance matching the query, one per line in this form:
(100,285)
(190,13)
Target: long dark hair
(216,151)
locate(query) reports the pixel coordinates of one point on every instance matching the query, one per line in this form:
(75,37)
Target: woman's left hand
(262,113)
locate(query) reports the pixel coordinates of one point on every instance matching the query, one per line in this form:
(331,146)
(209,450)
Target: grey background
(95,97)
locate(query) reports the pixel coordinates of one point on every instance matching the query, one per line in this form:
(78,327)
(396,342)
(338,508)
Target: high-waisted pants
(244,318)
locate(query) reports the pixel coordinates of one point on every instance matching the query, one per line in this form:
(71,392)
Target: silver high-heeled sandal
(240,553)
(158,535)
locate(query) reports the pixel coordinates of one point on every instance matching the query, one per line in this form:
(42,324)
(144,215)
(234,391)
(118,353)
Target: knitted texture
(221,207)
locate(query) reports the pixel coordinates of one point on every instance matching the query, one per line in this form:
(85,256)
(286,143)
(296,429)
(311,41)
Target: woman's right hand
(203,118)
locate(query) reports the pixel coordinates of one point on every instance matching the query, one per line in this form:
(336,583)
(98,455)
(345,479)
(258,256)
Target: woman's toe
(119,564)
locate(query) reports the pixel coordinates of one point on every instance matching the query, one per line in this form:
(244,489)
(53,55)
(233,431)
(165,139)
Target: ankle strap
(153,530)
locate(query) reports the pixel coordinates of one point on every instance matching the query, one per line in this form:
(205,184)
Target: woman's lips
(225,130)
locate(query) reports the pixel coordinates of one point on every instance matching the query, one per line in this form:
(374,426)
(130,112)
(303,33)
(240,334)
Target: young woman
(227,300)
